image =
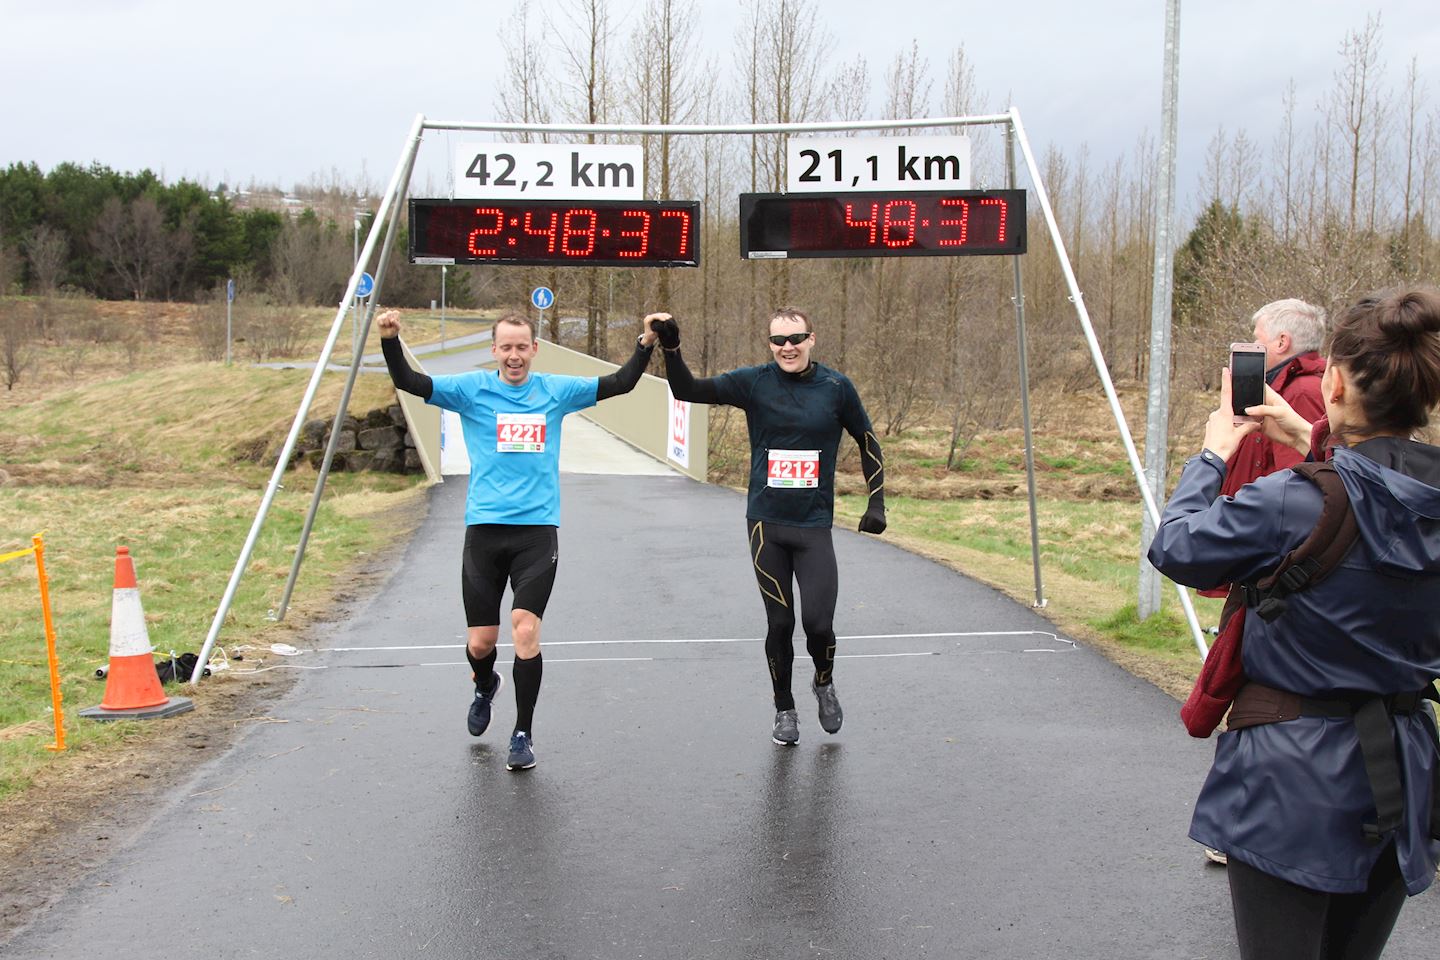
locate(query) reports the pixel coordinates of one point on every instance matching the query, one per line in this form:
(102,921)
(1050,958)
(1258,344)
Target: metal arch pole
(1020,341)
(283,460)
(363,332)
(1100,367)
(697,129)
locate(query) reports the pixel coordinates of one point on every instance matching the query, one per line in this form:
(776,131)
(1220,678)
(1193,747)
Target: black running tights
(1278,920)
(784,556)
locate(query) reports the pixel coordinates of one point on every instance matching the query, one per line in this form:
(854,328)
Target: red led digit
(479,232)
(905,240)
(547,232)
(684,216)
(850,220)
(963,223)
(1004,212)
(567,231)
(643,233)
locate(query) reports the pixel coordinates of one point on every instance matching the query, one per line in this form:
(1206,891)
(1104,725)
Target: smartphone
(1247,378)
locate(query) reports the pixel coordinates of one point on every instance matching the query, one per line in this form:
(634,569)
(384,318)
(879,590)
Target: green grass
(150,463)
(1088,558)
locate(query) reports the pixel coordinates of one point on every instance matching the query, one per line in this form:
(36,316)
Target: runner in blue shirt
(796,410)
(511,419)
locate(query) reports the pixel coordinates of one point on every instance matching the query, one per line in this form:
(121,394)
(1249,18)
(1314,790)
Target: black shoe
(479,719)
(522,752)
(831,716)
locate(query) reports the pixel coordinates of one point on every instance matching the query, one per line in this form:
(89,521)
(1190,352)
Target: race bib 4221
(520,433)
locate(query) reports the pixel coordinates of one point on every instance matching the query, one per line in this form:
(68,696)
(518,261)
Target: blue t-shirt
(512,434)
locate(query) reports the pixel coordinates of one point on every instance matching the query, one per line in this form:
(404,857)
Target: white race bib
(794,468)
(519,433)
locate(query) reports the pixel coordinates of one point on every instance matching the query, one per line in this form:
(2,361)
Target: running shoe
(831,716)
(522,756)
(786,731)
(479,720)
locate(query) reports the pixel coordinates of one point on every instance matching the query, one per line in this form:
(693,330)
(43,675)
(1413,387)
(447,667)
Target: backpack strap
(1321,552)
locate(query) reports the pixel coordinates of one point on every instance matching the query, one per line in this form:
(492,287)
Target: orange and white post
(37,549)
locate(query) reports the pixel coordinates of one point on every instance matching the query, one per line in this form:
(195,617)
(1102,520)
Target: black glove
(668,331)
(874,520)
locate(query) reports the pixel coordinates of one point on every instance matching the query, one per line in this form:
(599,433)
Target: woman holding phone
(1315,872)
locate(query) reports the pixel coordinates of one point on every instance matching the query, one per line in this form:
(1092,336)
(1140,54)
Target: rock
(380,438)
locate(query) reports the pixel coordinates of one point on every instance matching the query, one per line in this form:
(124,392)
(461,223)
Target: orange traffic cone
(132,686)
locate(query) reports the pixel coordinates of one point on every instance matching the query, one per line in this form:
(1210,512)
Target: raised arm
(682,382)
(624,379)
(402,374)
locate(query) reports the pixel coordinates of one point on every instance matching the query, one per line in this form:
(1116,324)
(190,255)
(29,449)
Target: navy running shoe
(479,719)
(831,716)
(522,753)
(786,731)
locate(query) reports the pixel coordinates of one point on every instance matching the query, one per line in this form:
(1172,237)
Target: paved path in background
(996,792)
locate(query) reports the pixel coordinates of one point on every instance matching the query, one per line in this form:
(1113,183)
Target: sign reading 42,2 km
(550,171)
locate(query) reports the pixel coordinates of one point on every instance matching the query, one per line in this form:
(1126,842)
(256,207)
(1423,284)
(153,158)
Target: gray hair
(1303,321)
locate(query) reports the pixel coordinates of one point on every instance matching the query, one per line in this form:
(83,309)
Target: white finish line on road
(868,636)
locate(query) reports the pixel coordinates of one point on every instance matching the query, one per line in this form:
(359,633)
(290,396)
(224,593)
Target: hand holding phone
(1247,379)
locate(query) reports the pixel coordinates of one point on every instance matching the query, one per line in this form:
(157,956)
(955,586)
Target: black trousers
(1279,920)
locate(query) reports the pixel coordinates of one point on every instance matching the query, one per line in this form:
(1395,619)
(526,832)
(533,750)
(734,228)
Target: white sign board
(677,446)
(550,171)
(878,163)
(454,457)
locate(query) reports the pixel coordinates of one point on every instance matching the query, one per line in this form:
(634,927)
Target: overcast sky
(279,92)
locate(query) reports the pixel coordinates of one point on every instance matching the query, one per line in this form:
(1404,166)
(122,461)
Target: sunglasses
(794,339)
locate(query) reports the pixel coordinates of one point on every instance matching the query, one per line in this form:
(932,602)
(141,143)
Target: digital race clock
(778,226)
(590,233)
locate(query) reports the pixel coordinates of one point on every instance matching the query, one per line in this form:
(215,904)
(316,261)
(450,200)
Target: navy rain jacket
(1291,798)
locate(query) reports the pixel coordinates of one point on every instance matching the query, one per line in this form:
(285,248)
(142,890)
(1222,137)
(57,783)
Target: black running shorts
(525,556)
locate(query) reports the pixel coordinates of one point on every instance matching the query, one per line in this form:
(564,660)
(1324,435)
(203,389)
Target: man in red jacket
(1292,332)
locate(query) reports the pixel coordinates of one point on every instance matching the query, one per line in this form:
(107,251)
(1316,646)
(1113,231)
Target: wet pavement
(996,791)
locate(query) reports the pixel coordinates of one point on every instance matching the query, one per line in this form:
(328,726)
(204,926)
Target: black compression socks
(527,691)
(483,667)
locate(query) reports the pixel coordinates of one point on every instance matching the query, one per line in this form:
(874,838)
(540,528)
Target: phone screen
(1247,381)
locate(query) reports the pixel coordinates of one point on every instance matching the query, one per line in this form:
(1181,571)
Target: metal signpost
(229,299)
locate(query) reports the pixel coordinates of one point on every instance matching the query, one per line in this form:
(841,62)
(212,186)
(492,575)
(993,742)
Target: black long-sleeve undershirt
(413,381)
(404,376)
(624,379)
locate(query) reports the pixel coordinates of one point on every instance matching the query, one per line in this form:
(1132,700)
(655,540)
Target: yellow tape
(16,555)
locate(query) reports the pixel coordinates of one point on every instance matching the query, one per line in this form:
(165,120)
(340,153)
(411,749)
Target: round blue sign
(366,286)
(542,297)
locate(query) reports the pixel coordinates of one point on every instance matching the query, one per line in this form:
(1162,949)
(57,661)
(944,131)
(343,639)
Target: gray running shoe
(831,716)
(787,728)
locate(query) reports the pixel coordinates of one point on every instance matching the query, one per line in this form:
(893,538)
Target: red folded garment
(1221,676)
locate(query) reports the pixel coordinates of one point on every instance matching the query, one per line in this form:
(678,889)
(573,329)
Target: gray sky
(279,92)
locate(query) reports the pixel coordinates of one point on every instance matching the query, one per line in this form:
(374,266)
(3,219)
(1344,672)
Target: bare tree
(17,352)
(132,242)
(47,250)
(1356,99)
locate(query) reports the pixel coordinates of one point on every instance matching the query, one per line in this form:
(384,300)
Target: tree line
(1339,200)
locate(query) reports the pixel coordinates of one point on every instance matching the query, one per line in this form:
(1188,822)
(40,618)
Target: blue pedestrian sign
(229,291)
(542,297)
(366,285)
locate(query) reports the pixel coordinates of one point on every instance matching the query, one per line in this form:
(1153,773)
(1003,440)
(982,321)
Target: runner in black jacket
(796,410)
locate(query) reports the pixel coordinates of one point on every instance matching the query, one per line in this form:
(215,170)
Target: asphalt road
(996,792)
